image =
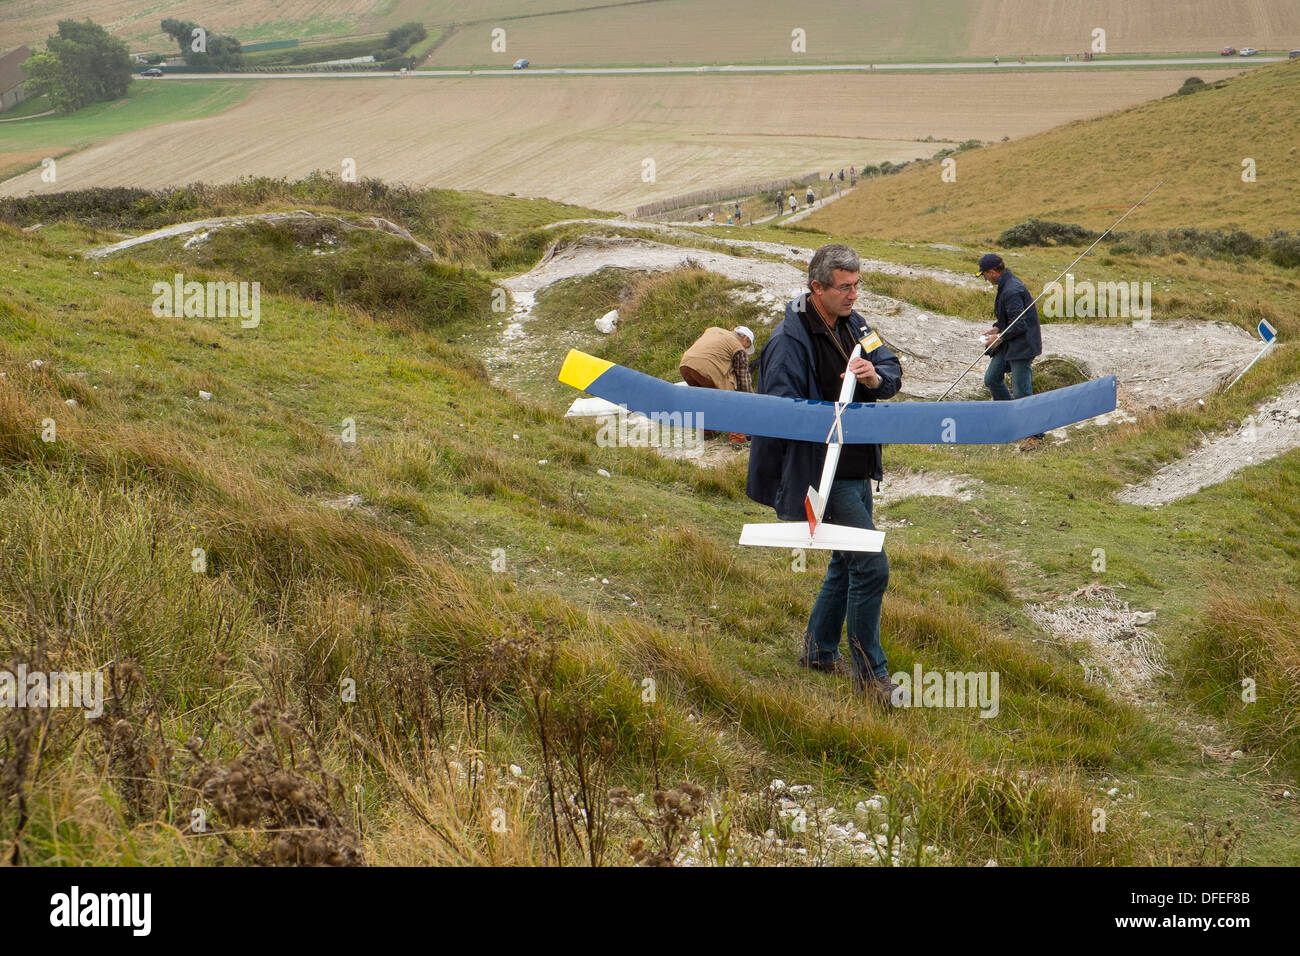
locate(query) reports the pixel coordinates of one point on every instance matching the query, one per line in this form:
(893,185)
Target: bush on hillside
(1040,232)
(1209,243)
(405,36)
(1284,249)
(1194,84)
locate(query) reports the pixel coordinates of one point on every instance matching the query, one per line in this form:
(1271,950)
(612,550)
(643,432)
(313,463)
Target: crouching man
(806,358)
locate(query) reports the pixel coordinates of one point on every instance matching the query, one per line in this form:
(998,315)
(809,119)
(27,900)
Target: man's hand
(865,372)
(990,335)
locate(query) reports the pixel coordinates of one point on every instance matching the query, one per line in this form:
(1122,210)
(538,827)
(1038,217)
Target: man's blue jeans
(1022,378)
(852,591)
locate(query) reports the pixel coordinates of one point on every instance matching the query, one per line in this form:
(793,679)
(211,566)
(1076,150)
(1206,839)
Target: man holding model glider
(805,358)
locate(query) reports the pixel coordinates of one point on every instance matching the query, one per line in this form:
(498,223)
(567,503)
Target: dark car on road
(154,71)
(520,65)
(1228,51)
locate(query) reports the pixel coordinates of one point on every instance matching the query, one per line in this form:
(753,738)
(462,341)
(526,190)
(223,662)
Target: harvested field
(840,31)
(585,139)
(727,31)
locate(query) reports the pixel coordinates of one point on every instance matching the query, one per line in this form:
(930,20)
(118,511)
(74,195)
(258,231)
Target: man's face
(991,275)
(837,298)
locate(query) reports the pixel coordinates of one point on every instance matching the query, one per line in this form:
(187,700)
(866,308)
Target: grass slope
(353,682)
(1088,171)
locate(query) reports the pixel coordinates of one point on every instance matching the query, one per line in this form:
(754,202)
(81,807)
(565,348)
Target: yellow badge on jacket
(870,343)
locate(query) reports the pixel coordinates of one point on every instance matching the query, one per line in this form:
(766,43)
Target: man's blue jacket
(781,470)
(1026,339)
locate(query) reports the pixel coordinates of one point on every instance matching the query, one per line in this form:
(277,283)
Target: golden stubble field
(585,139)
(561,32)
(859,31)
(31,21)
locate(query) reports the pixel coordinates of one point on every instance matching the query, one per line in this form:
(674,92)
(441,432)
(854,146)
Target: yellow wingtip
(580,369)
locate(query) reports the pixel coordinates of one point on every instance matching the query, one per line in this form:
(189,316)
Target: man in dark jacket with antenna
(806,358)
(1018,341)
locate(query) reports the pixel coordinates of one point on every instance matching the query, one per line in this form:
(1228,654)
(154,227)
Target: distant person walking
(794,203)
(1010,344)
(780,204)
(810,197)
(853,175)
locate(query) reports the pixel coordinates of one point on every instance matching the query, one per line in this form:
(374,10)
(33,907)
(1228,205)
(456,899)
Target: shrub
(1284,249)
(406,36)
(1040,232)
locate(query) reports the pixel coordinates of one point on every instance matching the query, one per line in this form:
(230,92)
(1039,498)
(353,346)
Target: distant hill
(1085,172)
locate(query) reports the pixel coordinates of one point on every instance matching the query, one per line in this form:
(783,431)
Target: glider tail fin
(815,506)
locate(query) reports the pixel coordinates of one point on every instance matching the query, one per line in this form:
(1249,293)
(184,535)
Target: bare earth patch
(1119,651)
(798,255)
(904,483)
(209,225)
(1272,430)
(1158,364)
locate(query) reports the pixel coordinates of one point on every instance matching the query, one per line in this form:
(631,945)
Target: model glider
(835,424)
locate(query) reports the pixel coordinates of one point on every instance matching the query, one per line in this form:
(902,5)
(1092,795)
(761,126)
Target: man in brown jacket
(720,359)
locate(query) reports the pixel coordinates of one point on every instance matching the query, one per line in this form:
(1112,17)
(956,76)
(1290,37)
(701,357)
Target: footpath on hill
(1158,364)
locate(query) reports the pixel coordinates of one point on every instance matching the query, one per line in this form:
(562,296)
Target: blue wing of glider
(893,423)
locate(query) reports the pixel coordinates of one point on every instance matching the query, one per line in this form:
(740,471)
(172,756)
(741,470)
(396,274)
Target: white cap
(747,333)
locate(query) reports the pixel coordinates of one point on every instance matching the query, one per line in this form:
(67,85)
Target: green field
(28,107)
(146,104)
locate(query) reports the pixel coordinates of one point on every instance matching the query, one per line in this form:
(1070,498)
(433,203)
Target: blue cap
(990,260)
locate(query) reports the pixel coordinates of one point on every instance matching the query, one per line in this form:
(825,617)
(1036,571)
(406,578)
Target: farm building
(12,78)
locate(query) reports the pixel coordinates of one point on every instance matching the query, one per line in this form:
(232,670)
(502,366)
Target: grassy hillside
(1087,172)
(441,641)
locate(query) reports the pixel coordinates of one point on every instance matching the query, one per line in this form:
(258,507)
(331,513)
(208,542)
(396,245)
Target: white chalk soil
(1272,430)
(902,483)
(205,227)
(798,255)
(1114,646)
(1158,364)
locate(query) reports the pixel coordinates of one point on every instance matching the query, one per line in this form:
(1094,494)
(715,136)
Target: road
(1225,61)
